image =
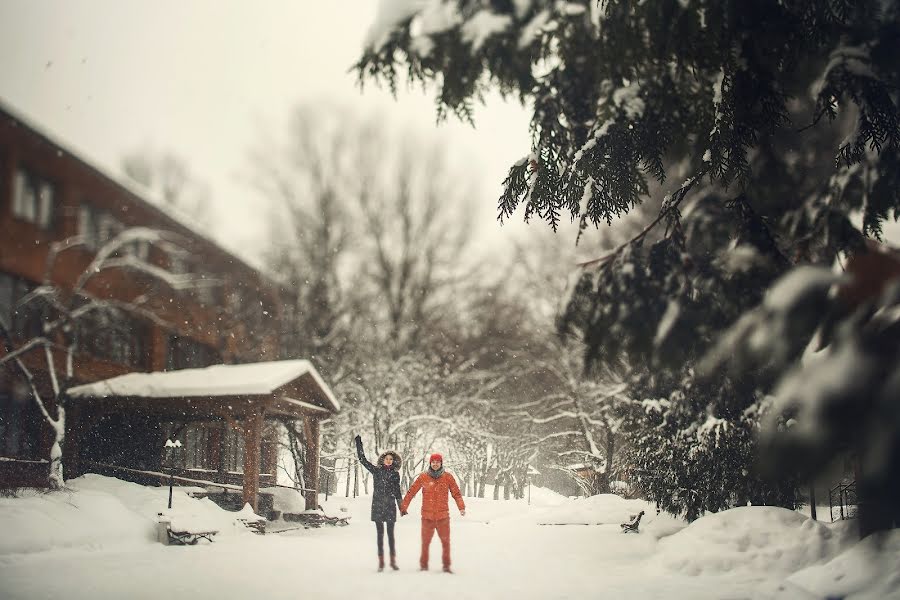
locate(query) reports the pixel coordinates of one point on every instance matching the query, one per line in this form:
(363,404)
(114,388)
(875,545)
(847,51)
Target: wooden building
(218,413)
(228,314)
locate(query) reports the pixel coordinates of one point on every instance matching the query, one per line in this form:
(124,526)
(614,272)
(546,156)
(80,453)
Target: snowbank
(867,570)
(42,521)
(97,539)
(100,512)
(753,539)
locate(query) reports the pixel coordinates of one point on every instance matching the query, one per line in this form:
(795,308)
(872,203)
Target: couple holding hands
(436,485)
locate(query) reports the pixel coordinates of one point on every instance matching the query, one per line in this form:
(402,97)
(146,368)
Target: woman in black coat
(386,497)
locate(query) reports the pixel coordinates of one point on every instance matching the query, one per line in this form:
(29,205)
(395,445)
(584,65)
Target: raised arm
(413,490)
(362,456)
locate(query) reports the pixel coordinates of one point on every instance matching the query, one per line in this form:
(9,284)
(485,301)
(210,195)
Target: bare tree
(370,224)
(170,178)
(62,309)
(416,229)
(310,251)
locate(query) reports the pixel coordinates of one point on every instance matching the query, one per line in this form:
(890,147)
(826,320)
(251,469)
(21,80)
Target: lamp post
(171,451)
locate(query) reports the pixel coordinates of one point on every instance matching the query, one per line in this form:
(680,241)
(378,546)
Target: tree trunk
(56,480)
(610,454)
(347,492)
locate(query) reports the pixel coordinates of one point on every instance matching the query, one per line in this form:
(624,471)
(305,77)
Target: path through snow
(499,551)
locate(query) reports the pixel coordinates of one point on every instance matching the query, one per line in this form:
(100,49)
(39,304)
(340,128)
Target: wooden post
(812,500)
(349,462)
(252,442)
(311,468)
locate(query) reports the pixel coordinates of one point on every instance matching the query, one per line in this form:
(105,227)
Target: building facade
(188,304)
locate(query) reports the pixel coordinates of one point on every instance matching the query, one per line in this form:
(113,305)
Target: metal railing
(843,497)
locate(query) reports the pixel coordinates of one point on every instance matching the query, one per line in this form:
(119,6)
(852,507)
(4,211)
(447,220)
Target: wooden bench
(314,519)
(178,534)
(184,538)
(257,525)
(633,524)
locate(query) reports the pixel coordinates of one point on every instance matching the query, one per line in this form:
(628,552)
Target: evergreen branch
(669,208)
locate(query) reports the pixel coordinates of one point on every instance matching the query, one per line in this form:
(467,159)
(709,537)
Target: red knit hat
(435,457)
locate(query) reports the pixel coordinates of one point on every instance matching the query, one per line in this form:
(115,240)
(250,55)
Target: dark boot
(381,562)
(447,569)
(394,562)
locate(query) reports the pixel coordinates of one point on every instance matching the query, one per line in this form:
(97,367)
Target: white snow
(673,309)
(586,196)
(571,9)
(521,7)
(592,141)
(438,16)
(389,15)
(717,87)
(855,59)
(857,573)
(788,290)
(533,28)
(628,99)
(482,26)
(216,380)
(751,540)
(97,540)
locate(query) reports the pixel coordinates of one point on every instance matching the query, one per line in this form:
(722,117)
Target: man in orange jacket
(436,484)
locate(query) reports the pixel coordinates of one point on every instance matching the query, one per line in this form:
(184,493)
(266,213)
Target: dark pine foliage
(774,124)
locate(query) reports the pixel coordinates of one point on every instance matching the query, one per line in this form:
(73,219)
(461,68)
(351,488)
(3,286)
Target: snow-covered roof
(218,380)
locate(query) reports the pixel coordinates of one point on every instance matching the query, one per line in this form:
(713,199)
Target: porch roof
(244,380)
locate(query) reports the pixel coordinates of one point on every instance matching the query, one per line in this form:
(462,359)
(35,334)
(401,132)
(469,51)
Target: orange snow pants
(443,530)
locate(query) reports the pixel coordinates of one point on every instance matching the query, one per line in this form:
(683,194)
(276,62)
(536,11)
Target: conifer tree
(773,125)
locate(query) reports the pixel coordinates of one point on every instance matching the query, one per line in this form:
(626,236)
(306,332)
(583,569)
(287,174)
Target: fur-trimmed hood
(397,459)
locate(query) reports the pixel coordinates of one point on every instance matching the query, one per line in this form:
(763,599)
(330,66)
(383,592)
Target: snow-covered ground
(98,541)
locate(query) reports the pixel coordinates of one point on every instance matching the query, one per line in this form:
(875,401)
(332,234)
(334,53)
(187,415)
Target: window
(20,423)
(98,227)
(89,225)
(235,301)
(233,451)
(186,353)
(177,264)
(108,227)
(209,289)
(25,322)
(194,452)
(196,447)
(114,336)
(33,199)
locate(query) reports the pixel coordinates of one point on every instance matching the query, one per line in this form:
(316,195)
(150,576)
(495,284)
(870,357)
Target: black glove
(358,440)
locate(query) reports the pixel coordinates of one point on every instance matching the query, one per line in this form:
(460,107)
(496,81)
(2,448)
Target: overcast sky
(202,78)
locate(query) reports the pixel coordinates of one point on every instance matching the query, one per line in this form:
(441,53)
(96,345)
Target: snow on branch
(106,256)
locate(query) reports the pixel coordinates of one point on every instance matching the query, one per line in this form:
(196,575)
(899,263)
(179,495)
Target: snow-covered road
(499,551)
(490,560)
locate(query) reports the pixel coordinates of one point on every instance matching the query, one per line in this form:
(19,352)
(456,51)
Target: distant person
(386,496)
(436,485)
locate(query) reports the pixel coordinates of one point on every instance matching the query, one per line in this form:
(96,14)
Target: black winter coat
(386,495)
